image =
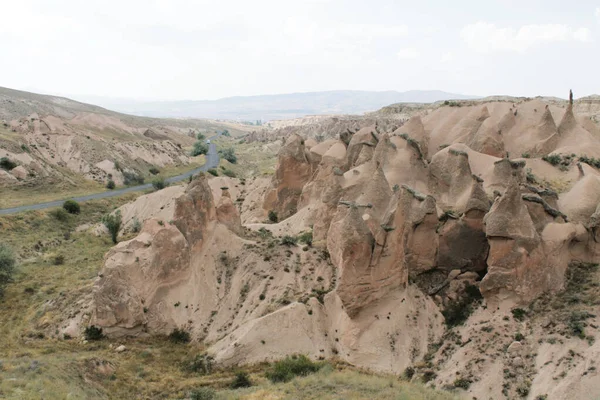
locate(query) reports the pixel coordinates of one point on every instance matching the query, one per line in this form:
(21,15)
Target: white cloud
(598,12)
(447,57)
(486,37)
(408,53)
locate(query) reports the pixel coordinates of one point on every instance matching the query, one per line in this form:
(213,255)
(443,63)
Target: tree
(229,155)
(225,132)
(200,136)
(72,207)
(159,183)
(113,224)
(199,148)
(110,184)
(7,266)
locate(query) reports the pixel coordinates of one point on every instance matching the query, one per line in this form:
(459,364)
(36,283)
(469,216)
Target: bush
(7,266)
(306,238)
(154,170)
(288,240)
(229,155)
(59,214)
(199,148)
(159,183)
(213,172)
(273,216)
(58,260)
(7,164)
(136,225)
(408,373)
(462,383)
(113,224)
(200,136)
(110,184)
(297,365)
(242,380)
(519,314)
(179,336)
(553,159)
(201,363)
(93,333)
(203,393)
(229,173)
(225,133)
(72,207)
(132,178)
(457,312)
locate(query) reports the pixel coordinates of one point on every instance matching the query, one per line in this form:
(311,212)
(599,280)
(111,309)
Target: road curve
(212,161)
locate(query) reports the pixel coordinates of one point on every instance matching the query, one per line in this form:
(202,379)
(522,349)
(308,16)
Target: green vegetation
(213,172)
(93,333)
(179,336)
(306,238)
(159,183)
(228,154)
(7,164)
(594,162)
(287,369)
(113,224)
(7,266)
(242,380)
(273,216)
(457,312)
(110,185)
(288,240)
(203,393)
(199,364)
(200,136)
(199,148)
(72,207)
(519,314)
(154,171)
(452,103)
(132,178)
(59,214)
(229,173)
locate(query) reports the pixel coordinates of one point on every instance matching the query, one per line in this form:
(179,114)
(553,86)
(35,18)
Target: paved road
(212,161)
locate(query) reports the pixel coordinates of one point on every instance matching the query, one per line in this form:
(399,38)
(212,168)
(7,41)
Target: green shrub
(519,337)
(58,260)
(242,380)
(93,333)
(519,314)
(229,155)
(199,148)
(113,224)
(203,393)
(179,336)
(201,363)
(297,365)
(288,240)
(462,383)
(200,136)
(132,178)
(110,184)
(7,266)
(7,164)
(136,225)
(553,159)
(159,183)
(225,133)
(273,216)
(229,173)
(408,373)
(154,170)
(457,312)
(306,238)
(72,207)
(59,214)
(213,172)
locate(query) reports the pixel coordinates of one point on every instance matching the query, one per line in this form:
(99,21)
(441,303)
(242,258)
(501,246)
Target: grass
(253,159)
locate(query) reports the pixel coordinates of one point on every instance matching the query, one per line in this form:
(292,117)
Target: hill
(277,106)
(57,145)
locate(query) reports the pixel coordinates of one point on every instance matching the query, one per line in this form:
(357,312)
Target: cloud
(408,53)
(447,57)
(486,37)
(598,12)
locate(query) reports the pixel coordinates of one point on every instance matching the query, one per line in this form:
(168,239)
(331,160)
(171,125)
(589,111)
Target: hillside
(455,249)
(55,144)
(278,106)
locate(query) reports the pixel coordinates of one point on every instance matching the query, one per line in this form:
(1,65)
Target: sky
(193,50)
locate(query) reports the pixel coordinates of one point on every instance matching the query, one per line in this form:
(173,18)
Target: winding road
(212,161)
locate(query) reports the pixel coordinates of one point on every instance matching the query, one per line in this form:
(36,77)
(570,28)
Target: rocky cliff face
(407,224)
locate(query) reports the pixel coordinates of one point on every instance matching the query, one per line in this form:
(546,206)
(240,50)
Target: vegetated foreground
(455,249)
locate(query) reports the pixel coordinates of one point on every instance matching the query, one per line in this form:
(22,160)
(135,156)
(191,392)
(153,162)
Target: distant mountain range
(272,107)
